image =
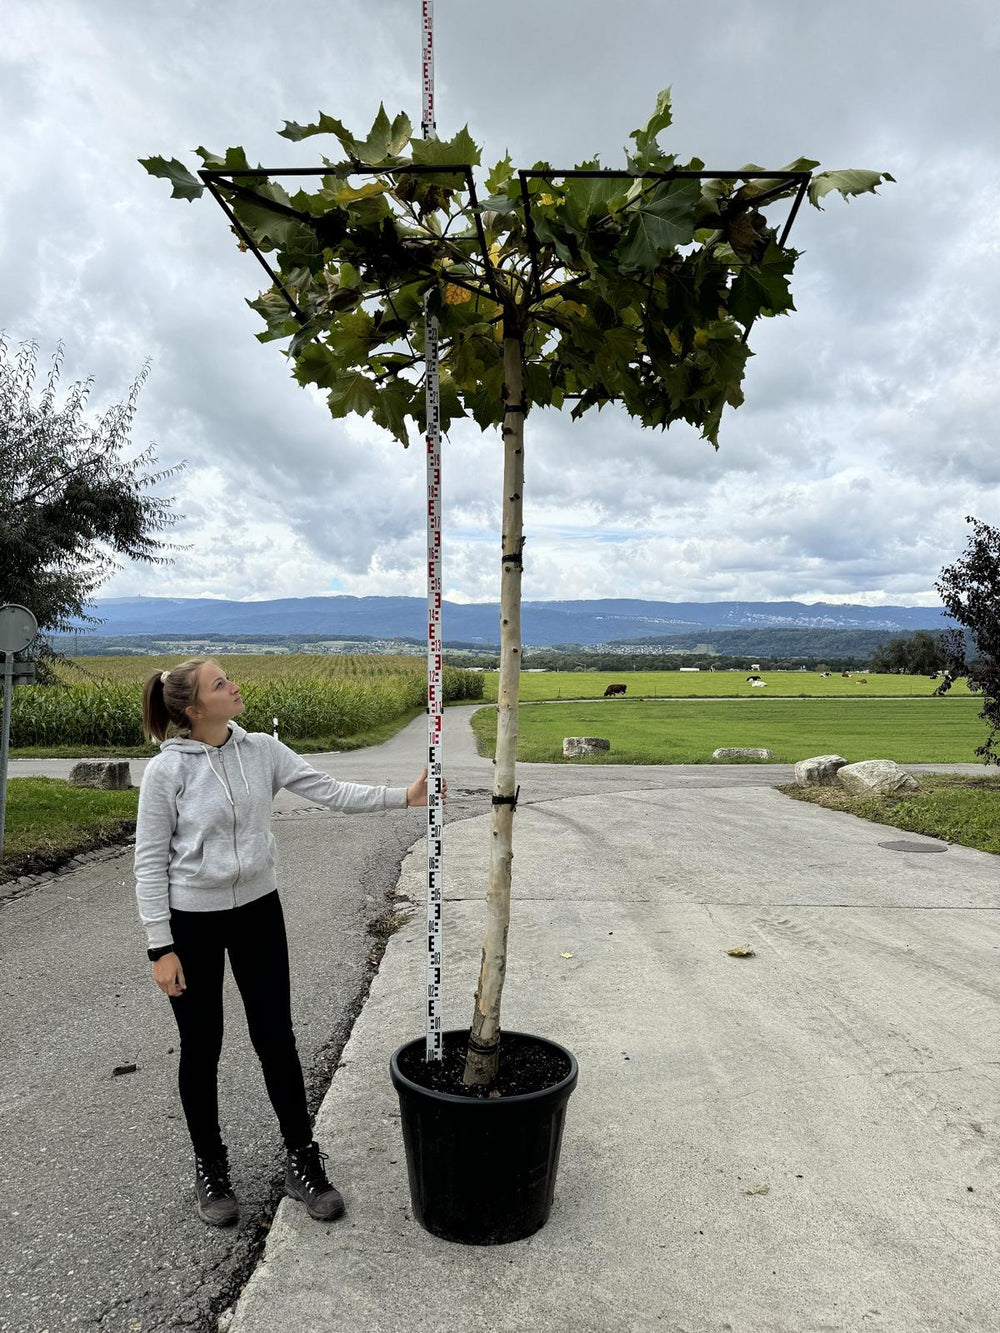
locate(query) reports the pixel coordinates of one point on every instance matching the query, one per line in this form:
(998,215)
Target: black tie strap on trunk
(512,559)
(475,1047)
(508,800)
(521,407)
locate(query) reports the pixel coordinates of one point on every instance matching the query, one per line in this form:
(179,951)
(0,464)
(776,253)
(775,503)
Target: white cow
(757,684)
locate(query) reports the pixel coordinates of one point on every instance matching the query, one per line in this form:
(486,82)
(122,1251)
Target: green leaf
(588,197)
(315,365)
(762,289)
(648,155)
(352,392)
(846,182)
(393,403)
(325,125)
(350,194)
(663,221)
(658,121)
(459,151)
(551,229)
(273,309)
(376,147)
(234,160)
(501,176)
(185,185)
(400,134)
(465,366)
(451,403)
(354,336)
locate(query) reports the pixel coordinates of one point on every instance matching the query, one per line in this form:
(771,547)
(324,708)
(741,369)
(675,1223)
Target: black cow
(614,689)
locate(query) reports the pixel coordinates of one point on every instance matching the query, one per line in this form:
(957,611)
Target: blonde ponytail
(165,697)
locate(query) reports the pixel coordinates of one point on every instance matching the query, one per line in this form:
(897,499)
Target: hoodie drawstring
(240,762)
(208,756)
(218,779)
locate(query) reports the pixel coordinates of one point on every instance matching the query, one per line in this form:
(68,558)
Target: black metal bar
(529,226)
(765,198)
(477,214)
(411,169)
(274,205)
(252,246)
(795,208)
(668,175)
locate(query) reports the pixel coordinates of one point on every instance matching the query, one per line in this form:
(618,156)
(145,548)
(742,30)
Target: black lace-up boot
(216,1201)
(305,1179)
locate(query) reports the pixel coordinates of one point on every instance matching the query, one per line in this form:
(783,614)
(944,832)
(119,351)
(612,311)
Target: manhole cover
(912,847)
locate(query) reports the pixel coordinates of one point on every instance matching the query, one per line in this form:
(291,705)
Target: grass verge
(948,806)
(48,822)
(924,731)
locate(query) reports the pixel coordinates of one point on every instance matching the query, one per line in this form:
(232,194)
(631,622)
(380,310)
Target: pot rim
(565,1084)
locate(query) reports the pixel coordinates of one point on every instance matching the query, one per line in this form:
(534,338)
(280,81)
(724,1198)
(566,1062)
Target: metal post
(8,687)
(435,693)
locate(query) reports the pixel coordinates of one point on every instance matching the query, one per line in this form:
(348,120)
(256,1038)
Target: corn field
(98,700)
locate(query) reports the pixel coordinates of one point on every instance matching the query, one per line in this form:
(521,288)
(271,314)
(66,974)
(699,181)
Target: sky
(869,427)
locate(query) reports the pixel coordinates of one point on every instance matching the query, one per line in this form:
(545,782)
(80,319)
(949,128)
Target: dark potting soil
(524,1066)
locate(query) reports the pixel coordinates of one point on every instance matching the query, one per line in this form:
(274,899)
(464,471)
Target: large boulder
(741,754)
(577,745)
(875,777)
(109,774)
(820,771)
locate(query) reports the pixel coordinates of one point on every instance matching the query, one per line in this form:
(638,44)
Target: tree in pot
(637,286)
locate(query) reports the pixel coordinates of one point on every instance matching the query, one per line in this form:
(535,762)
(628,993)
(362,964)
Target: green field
(717,685)
(319,700)
(911,731)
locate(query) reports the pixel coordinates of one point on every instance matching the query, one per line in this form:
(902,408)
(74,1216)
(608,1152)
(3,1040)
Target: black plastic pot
(482,1170)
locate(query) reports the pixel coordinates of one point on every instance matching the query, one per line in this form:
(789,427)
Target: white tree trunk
(481,1062)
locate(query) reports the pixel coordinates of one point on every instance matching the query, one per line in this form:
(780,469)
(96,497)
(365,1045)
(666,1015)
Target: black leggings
(254,936)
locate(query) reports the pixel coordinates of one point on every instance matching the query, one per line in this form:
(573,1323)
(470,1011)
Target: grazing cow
(825,674)
(758,684)
(751,679)
(614,689)
(862,681)
(845,675)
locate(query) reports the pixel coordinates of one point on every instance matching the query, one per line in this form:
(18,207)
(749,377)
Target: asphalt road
(97,1225)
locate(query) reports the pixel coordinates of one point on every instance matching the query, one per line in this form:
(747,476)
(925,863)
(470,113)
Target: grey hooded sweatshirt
(203,839)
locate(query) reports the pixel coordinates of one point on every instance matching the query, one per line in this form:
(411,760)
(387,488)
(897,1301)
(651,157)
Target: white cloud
(868,430)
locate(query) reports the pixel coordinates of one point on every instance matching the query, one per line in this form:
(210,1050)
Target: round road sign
(17,628)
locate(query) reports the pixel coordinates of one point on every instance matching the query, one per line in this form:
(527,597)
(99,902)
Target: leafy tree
(72,499)
(970,590)
(639,289)
(917,654)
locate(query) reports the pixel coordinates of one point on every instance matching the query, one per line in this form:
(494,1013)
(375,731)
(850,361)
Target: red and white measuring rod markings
(435,703)
(427,64)
(435,692)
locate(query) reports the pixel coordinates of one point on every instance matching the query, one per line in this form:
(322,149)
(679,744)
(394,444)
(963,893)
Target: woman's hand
(416,792)
(169,975)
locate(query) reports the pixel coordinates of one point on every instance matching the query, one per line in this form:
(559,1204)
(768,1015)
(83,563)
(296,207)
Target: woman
(205,885)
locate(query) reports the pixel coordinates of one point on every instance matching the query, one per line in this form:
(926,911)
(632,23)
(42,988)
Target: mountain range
(542,623)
